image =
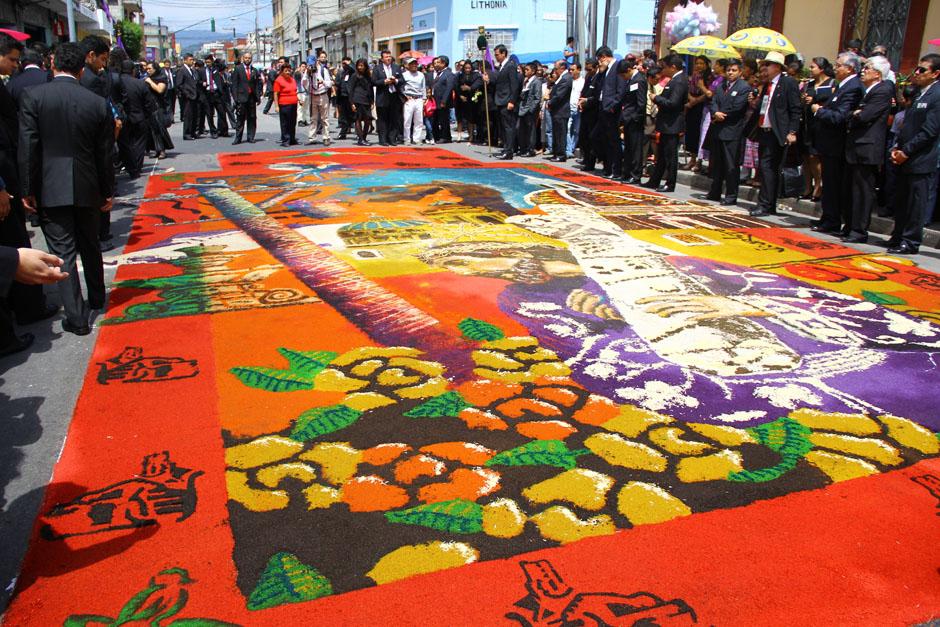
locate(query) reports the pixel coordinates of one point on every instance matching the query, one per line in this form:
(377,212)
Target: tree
(132,36)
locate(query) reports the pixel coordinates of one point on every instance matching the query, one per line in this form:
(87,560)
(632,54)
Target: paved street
(40,388)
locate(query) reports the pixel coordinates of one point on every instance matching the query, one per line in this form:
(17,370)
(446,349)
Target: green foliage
(447,404)
(539,453)
(322,420)
(132,36)
(480,331)
(785,436)
(288,580)
(308,363)
(456,516)
(273,380)
(882,298)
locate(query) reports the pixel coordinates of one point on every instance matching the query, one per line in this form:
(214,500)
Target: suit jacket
(443,88)
(732,101)
(559,102)
(671,117)
(613,91)
(831,120)
(98,83)
(634,104)
(202,79)
(138,103)
(9,262)
(66,145)
(383,97)
(342,81)
(246,86)
(590,92)
(785,110)
(187,83)
(9,137)
(868,131)
(531,97)
(507,85)
(30,77)
(919,133)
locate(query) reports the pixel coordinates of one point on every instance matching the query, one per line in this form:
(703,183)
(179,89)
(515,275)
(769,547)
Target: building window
(636,44)
(425,45)
(493,37)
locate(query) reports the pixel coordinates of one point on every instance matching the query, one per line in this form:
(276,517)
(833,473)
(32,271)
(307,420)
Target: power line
(208,19)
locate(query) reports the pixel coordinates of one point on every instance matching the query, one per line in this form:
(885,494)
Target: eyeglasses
(921,70)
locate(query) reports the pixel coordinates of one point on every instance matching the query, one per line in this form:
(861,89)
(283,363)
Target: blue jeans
(574,128)
(429,127)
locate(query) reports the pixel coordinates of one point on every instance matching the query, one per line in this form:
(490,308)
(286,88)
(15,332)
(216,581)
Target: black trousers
(527,133)
(560,138)
(217,106)
(206,115)
(132,145)
(667,161)
(725,167)
(346,119)
(632,150)
(72,232)
(269,100)
(836,193)
(607,144)
(911,211)
(586,139)
(390,120)
(441,124)
(190,116)
(23,300)
(170,108)
(864,196)
(288,118)
(508,121)
(771,162)
(246,113)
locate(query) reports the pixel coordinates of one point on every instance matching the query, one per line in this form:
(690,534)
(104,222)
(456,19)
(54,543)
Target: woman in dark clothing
(159,139)
(817,91)
(694,109)
(361,95)
(469,85)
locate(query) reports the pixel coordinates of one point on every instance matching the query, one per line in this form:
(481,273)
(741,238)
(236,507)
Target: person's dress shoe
(855,239)
(649,185)
(47,311)
(825,228)
(760,213)
(891,243)
(558,159)
(107,237)
(633,180)
(903,249)
(236,142)
(584,168)
(19,343)
(712,198)
(665,189)
(105,246)
(214,135)
(188,138)
(504,157)
(77,330)
(727,202)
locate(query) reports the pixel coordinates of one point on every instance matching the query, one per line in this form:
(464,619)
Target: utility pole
(257,38)
(303,31)
(160,55)
(70,16)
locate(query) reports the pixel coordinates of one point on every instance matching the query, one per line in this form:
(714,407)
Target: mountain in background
(192,40)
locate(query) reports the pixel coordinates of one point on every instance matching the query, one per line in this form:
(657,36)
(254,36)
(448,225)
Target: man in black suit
(633,118)
(387,78)
(559,106)
(32,73)
(670,122)
(443,93)
(506,97)
(139,105)
(246,91)
(206,112)
(606,136)
(864,146)
(589,105)
(171,93)
(916,152)
(343,106)
(273,72)
(775,125)
(830,122)
(188,85)
(66,167)
(728,108)
(95,77)
(218,94)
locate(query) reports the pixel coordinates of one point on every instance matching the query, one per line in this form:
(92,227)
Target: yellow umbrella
(760,38)
(706,45)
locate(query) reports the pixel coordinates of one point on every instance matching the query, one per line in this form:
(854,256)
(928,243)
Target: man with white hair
(864,146)
(882,51)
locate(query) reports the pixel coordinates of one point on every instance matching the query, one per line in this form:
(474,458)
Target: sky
(177,14)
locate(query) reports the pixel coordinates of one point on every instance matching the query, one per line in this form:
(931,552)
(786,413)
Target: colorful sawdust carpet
(338,387)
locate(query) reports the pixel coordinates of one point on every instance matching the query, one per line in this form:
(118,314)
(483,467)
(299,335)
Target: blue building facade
(449,27)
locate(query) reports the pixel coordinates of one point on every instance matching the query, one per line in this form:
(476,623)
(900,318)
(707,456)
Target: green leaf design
(882,298)
(447,404)
(322,420)
(456,516)
(200,622)
(480,331)
(272,379)
(288,580)
(174,176)
(308,363)
(785,436)
(539,453)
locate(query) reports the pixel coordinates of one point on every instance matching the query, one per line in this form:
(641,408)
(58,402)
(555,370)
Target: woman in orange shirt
(285,90)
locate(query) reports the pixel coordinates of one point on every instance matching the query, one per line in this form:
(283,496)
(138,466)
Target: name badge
(921,105)
(734,93)
(765,104)
(634,86)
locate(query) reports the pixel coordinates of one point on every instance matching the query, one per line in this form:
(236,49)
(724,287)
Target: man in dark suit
(138,107)
(775,126)
(343,106)
(589,105)
(32,73)
(215,95)
(273,72)
(916,153)
(728,108)
(171,94)
(506,97)
(205,110)
(387,78)
(246,91)
(66,167)
(96,60)
(606,136)
(559,106)
(864,146)
(443,93)
(188,85)
(830,122)
(670,122)
(633,119)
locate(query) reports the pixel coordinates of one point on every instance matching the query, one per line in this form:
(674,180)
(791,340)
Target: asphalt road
(39,388)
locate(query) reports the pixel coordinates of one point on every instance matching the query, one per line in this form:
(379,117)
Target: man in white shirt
(318,94)
(574,122)
(415,91)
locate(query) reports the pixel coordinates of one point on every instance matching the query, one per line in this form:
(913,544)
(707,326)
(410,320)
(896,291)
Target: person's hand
(4,204)
(791,138)
(510,107)
(898,157)
(108,203)
(29,203)
(816,107)
(720,116)
(37,267)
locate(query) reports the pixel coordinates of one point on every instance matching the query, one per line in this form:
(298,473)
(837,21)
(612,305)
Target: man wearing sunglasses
(915,152)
